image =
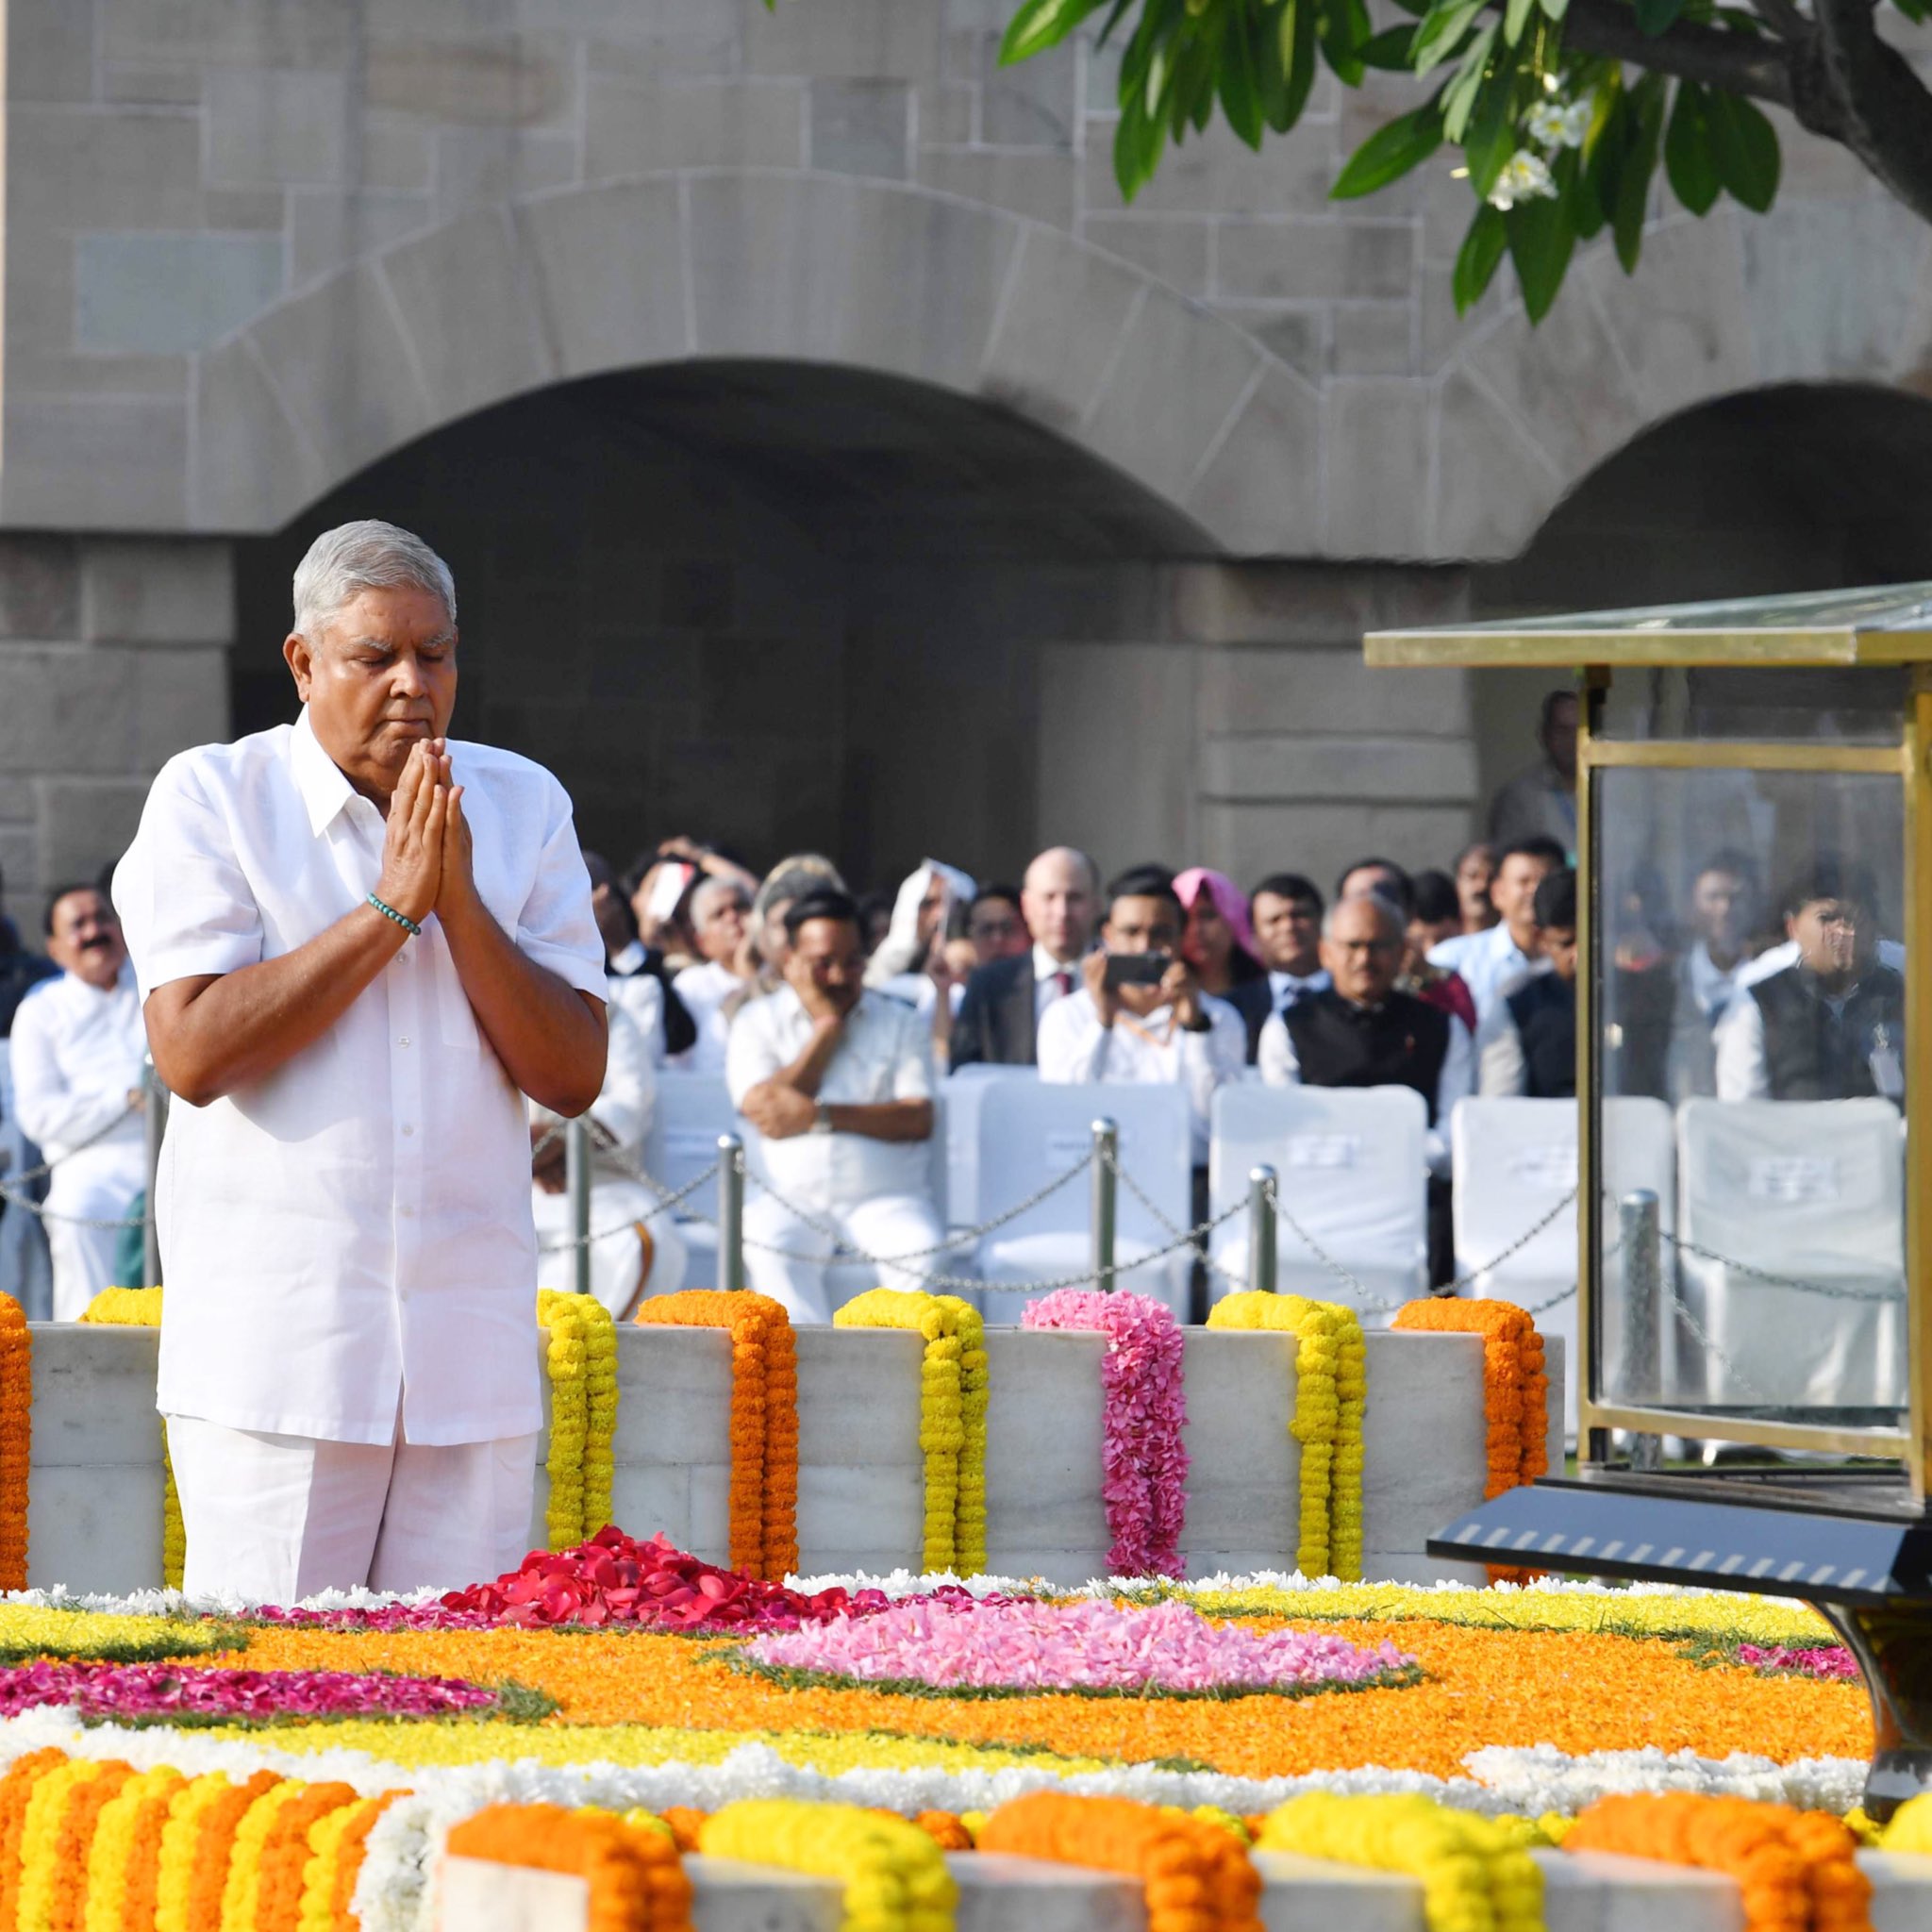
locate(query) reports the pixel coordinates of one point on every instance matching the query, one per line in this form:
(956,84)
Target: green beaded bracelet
(401,919)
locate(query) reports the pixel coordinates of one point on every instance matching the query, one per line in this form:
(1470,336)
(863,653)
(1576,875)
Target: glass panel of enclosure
(1751,1072)
(1773,705)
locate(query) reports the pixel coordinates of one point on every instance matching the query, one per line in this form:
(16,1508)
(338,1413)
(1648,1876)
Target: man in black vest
(1830,1027)
(1529,1043)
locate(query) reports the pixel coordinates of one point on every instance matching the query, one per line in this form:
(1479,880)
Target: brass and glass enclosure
(1764,749)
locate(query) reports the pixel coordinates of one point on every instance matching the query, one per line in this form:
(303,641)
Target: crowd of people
(830,1015)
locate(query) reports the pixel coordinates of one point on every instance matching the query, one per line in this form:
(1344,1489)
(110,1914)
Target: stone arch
(1814,292)
(757,264)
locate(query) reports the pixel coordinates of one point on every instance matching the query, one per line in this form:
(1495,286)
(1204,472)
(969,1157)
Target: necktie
(1063,982)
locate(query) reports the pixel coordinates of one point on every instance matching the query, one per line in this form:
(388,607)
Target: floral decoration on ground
(131,1691)
(1089,1648)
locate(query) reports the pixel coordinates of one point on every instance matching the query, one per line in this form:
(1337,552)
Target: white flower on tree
(1556,124)
(1525,178)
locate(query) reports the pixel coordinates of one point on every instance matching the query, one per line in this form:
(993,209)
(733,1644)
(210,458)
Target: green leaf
(1391,152)
(1442,31)
(1137,140)
(1241,80)
(1543,237)
(1654,17)
(1112,21)
(1041,25)
(1516,19)
(1632,200)
(1743,146)
(1191,95)
(1688,160)
(1459,97)
(1475,261)
(1492,137)
(1389,50)
(1556,9)
(1295,43)
(1344,32)
(1914,11)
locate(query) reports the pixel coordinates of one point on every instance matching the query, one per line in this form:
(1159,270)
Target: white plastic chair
(26,1267)
(1515,1160)
(964,1089)
(1030,1131)
(691,1111)
(1811,1191)
(847,1279)
(1349,1162)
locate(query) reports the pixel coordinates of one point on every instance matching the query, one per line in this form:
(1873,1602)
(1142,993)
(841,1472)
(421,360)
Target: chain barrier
(1745,1385)
(1791,1281)
(13,1194)
(667,1200)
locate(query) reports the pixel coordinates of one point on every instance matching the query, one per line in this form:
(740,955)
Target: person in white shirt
(1141,1015)
(79,1056)
(1364,1033)
(361,945)
(838,1082)
(634,1250)
(998,1022)
(719,915)
(1487,962)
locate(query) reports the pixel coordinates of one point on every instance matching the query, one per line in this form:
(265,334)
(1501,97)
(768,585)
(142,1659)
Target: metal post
(730,1211)
(1262,1248)
(1106,1147)
(576,1182)
(153,1123)
(1640,1228)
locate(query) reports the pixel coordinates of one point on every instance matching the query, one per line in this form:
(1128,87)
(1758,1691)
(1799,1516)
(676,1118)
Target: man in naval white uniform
(360,944)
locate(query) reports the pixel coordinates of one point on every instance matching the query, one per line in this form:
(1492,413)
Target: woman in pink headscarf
(1219,943)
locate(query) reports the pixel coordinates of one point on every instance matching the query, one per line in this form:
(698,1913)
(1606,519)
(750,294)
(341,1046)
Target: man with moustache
(361,945)
(78,1077)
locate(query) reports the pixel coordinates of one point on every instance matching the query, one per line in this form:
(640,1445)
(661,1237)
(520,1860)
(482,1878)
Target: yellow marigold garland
(337,1844)
(953,1391)
(894,1874)
(1515,1391)
(764,1419)
(1331,1393)
(16,1440)
(1476,1872)
(55,1833)
(141,1308)
(581,1362)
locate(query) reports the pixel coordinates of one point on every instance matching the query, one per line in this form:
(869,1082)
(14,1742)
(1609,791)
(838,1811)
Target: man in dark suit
(999,1017)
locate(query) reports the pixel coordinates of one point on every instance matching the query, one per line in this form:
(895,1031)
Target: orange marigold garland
(213,1845)
(764,1420)
(637,1878)
(285,1853)
(1797,1869)
(16,1440)
(16,1791)
(1515,1391)
(1198,1877)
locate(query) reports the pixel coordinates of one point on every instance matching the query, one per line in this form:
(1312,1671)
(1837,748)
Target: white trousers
(84,1257)
(277,1518)
(617,1256)
(886,1225)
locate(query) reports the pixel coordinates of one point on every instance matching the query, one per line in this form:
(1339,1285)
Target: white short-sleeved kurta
(356,1226)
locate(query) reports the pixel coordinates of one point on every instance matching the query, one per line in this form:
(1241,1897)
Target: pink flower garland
(175,1691)
(1144,1467)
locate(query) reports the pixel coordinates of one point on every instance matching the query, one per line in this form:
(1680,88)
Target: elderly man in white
(838,1082)
(79,1054)
(359,944)
(635,1249)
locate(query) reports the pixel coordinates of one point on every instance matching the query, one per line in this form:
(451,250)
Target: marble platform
(1588,1892)
(96,1492)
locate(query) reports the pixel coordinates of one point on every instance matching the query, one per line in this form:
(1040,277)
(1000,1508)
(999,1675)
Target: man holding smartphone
(1140,1015)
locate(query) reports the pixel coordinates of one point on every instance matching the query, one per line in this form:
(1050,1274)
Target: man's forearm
(551,1039)
(804,1074)
(883,1120)
(214,1034)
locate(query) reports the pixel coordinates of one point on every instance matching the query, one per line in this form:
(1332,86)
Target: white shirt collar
(1045,966)
(629,960)
(318,777)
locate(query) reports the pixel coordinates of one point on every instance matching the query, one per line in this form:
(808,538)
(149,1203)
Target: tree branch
(1870,99)
(1740,63)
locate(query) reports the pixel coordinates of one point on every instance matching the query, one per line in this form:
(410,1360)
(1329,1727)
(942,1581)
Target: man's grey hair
(365,556)
(1390,913)
(712,887)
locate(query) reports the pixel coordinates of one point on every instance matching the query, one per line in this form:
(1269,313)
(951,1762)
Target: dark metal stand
(1851,1546)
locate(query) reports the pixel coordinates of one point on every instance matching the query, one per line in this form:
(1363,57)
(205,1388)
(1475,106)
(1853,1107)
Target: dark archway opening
(777,605)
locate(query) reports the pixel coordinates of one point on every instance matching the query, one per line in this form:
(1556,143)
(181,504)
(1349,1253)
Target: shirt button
(407,1131)
(404,1040)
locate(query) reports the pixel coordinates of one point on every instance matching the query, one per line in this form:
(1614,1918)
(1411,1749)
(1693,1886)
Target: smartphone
(1136,969)
(667,889)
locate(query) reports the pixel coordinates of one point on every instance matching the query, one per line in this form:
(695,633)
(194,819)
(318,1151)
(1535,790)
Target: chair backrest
(691,1111)
(963,1090)
(1349,1162)
(1800,1188)
(1515,1162)
(1031,1130)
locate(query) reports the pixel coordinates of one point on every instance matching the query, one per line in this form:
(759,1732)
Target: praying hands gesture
(427,849)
